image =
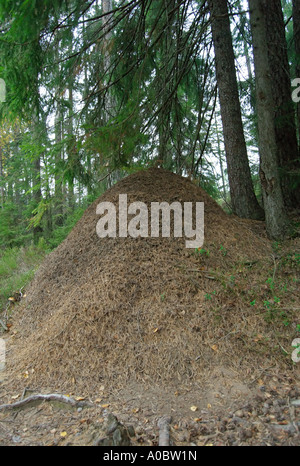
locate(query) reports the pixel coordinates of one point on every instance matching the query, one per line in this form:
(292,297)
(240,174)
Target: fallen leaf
(208,405)
(63,434)
(79,398)
(14,397)
(194,408)
(214,347)
(258,337)
(106,405)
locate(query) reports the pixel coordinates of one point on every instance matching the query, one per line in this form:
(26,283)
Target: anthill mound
(123,309)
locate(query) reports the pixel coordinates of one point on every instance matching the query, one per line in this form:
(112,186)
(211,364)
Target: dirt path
(227,413)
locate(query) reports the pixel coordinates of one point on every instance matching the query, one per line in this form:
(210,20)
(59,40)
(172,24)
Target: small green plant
(284,318)
(202,252)
(271,283)
(163,297)
(270,305)
(276,246)
(208,296)
(252,303)
(267,304)
(223,250)
(284,288)
(292,260)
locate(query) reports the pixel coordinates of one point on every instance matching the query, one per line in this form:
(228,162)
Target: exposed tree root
(164,431)
(40,397)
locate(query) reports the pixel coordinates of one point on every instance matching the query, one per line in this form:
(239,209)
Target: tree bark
(70,129)
(1,179)
(36,184)
(220,160)
(276,219)
(106,9)
(296,26)
(285,127)
(58,158)
(37,230)
(243,199)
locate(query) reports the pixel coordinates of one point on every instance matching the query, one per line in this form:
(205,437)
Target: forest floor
(142,328)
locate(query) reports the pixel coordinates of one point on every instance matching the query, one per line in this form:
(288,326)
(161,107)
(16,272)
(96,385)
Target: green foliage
(223,250)
(95,105)
(278,290)
(209,296)
(13,230)
(38,214)
(17,267)
(202,252)
(60,233)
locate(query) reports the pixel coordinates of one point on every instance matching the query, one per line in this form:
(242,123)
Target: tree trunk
(1,180)
(276,220)
(71,149)
(220,160)
(296,25)
(243,199)
(36,183)
(106,9)
(285,128)
(37,231)
(58,158)
(58,123)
